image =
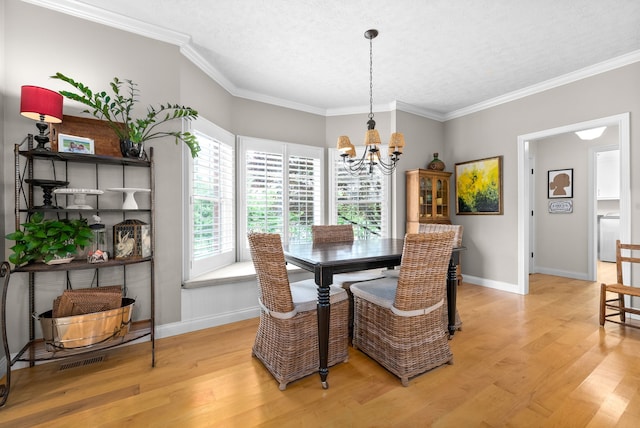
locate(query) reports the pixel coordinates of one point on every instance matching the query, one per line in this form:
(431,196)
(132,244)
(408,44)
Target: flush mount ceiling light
(591,134)
(371,156)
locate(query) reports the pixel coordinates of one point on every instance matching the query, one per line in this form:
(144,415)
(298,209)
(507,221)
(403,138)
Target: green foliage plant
(117,110)
(46,240)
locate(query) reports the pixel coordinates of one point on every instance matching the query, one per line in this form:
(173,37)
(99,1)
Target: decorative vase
(129,149)
(436,164)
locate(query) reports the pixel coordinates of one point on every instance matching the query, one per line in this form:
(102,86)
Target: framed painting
(73,144)
(479,186)
(560,183)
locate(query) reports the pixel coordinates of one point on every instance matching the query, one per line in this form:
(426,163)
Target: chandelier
(372,154)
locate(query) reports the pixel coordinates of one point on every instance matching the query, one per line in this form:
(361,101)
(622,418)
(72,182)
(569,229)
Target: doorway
(526,146)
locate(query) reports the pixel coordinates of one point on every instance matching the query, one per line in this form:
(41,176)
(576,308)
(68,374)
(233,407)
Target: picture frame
(560,183)
(479,187)
(564,206)
(74,144)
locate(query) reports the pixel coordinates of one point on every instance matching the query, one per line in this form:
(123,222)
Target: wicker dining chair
(287,337)
(458,229)
(343,233)
(398,321)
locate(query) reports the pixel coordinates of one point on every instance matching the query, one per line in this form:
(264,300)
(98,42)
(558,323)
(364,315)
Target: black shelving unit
(35,350)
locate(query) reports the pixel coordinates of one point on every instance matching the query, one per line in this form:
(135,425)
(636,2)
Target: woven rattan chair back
(332,233)
(438,227)
(271,271)
(422,280)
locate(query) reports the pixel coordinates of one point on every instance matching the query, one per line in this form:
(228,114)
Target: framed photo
(560,183)
(479,186)
(73,144)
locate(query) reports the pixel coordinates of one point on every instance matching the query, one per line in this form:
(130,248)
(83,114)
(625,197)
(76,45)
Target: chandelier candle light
(371,155)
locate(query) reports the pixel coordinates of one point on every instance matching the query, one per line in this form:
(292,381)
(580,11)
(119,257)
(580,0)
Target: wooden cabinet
(88,171)
(428,198)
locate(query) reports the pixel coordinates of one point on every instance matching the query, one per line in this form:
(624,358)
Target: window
(281,190)
(210,233)
(361,200)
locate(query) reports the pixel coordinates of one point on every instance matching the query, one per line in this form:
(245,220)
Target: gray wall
(492,240)
(3,90)
(164,74)
(561,239)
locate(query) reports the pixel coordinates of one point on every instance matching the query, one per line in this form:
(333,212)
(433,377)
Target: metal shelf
(36,350)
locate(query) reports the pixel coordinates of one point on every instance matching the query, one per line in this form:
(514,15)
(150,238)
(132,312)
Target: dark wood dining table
(327,259)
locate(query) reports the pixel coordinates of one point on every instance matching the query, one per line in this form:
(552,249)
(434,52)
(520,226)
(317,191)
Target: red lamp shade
(41,104)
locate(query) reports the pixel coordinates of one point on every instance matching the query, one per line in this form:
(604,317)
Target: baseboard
(187,326)
(489,283)
(557,272)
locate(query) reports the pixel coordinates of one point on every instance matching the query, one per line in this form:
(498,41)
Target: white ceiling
(438,58)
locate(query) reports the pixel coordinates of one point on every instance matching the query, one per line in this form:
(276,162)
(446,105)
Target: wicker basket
(86,330)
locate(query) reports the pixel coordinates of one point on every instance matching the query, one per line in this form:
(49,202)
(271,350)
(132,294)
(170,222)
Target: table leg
(323,278)
(452,289)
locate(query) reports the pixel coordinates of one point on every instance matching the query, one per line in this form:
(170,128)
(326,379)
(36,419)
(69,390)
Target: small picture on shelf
(73,144)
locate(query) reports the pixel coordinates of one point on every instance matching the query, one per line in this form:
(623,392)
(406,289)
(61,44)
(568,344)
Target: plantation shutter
(360,200)
(304,197)
(265,191)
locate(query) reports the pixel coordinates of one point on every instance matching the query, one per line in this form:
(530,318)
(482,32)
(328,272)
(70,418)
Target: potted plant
(47,240)
(117,110)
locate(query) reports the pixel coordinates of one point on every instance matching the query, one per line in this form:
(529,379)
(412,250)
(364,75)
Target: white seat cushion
(305,295)
(362,275)
(381,292)
(391,273)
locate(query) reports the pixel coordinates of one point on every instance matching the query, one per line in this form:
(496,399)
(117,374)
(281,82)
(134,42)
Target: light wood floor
(521,361)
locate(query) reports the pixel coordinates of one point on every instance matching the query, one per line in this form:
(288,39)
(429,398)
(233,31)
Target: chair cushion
(363,275)
(381,292)
(305,295)
(392,273)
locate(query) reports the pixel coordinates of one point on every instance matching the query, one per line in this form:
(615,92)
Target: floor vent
(82,363)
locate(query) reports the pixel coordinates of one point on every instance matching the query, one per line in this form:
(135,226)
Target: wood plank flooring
(540,360)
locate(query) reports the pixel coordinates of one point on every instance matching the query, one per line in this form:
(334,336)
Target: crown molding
(593,70)
(101,16)
(111,19)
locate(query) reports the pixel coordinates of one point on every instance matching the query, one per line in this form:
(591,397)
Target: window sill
(234,273)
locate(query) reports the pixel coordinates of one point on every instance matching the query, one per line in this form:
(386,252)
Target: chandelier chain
(372,155)
(371,78)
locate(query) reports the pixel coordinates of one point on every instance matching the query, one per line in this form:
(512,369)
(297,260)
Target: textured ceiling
(438,56)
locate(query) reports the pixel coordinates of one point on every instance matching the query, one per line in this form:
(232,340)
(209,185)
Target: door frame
(525,185)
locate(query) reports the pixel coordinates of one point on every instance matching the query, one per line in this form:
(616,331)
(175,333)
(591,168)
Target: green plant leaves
(44,240)
(117,111)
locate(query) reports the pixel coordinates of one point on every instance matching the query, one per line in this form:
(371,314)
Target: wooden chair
(621,290)
(343,233)
(398,321)
(287,337)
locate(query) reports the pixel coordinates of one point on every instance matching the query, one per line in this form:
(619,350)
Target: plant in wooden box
(117,110)
(50,241)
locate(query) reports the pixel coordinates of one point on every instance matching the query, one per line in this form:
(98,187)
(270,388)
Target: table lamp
(43,105)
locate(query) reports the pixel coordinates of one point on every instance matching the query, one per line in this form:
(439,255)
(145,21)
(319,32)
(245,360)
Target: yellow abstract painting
(479,186)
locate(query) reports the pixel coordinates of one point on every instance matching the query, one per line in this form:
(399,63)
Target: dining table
(327,259)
